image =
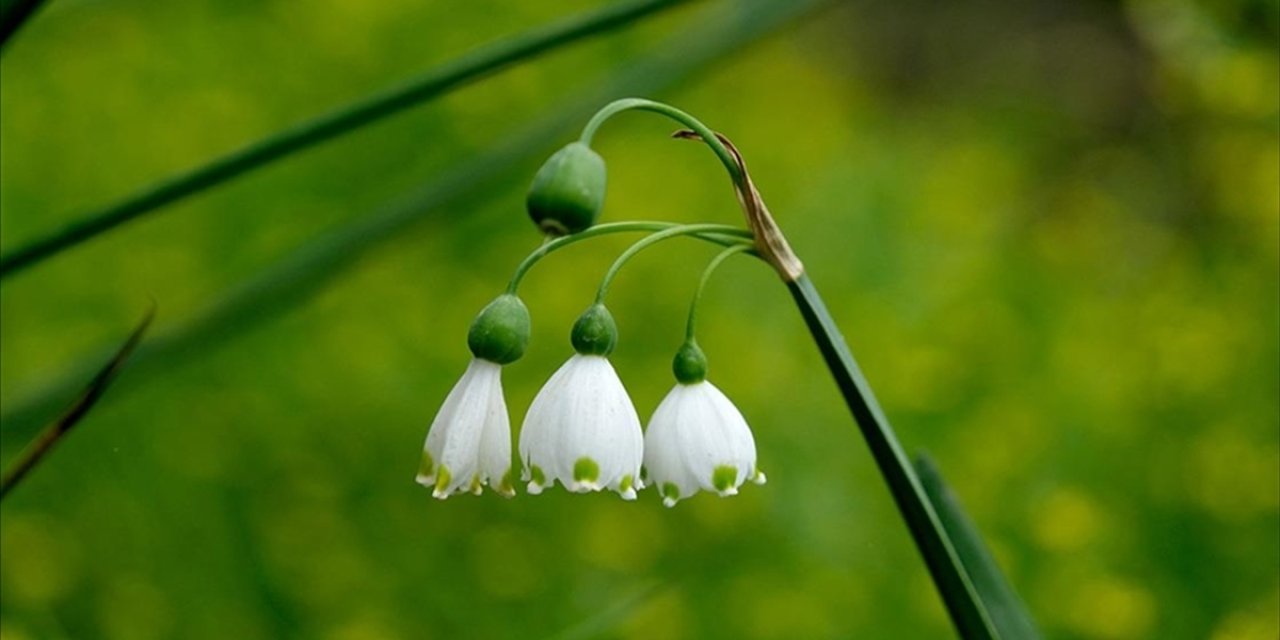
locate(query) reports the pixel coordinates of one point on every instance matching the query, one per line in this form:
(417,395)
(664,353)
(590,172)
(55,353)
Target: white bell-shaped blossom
(583,431)
(469,444)
(697,440)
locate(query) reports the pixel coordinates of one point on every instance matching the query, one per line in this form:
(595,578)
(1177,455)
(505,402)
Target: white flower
(698,440)
(469,443)
(583,431)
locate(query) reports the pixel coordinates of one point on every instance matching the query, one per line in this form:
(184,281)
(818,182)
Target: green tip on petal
(442,482)
(426,466)
(626,484)
(568,190)
(723,477)
(586,470)
(670,493)
(500,332)
(507,486)
(595,333)
(538,477)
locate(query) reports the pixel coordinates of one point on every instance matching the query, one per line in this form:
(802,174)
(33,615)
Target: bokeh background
(1049,231)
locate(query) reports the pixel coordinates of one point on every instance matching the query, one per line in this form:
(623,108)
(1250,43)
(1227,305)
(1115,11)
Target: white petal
(695,434)
(472,422)
(495,445)
(734,427)
(539,431)
(582,424)
(663,459)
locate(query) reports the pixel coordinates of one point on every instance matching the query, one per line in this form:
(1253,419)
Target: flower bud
(501,331)
(568,191)
(595,333)
(690,364)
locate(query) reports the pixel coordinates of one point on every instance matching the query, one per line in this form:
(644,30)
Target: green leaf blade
(1006,609)
(945,567)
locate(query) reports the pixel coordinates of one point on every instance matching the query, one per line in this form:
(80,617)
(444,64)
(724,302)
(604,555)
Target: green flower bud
(568,191)
(690,364)
(595,333)
(501,331)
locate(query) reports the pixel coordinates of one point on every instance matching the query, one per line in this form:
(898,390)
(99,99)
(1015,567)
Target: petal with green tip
(469,442)
(582,430)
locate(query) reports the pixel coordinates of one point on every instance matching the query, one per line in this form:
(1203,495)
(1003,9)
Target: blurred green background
(1049,231)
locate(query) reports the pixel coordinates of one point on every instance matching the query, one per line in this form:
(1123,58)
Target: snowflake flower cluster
(582,430)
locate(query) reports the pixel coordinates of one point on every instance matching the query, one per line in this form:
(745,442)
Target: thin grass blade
(1007,611)
(602,622)
(433,83)
(58,429)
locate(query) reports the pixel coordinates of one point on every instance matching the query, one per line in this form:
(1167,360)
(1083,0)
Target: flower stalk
(954,585)
(648,241)
(721,234)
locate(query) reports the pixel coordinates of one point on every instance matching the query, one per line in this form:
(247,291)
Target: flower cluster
(582,429)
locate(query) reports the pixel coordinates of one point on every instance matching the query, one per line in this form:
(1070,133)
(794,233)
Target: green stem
(718,233)
(949,575)
(434,82)
(702,284)
(641,104)
(648,241)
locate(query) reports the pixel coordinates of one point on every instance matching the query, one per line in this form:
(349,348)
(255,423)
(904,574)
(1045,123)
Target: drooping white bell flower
(469,443)
(697,440)
(582,429)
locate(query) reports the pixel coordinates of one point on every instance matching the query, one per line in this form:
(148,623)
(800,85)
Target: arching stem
(702,285)
(640,104)
(721,234)
(648,241)
(770,243)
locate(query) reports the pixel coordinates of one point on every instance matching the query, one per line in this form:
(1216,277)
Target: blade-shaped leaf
(949,576)
(1007,611)
(55,431)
